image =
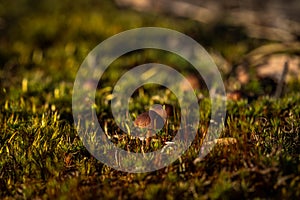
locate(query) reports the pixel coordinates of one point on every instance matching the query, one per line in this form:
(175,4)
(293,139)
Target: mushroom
(153,120)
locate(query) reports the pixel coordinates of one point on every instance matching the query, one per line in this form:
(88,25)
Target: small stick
(280,84)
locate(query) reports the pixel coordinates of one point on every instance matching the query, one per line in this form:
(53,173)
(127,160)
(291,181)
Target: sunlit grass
(40,148)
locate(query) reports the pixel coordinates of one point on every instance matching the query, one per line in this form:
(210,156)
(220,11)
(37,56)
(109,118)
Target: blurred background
(46,41)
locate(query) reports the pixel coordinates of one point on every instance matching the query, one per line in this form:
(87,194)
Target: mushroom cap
(143,120)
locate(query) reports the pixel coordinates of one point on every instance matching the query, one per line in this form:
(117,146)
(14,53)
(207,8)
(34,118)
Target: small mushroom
(152,120)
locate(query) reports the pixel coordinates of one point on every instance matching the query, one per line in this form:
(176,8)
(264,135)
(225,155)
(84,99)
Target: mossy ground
(41,155)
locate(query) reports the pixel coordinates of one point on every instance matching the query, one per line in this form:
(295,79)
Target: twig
(280,84)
